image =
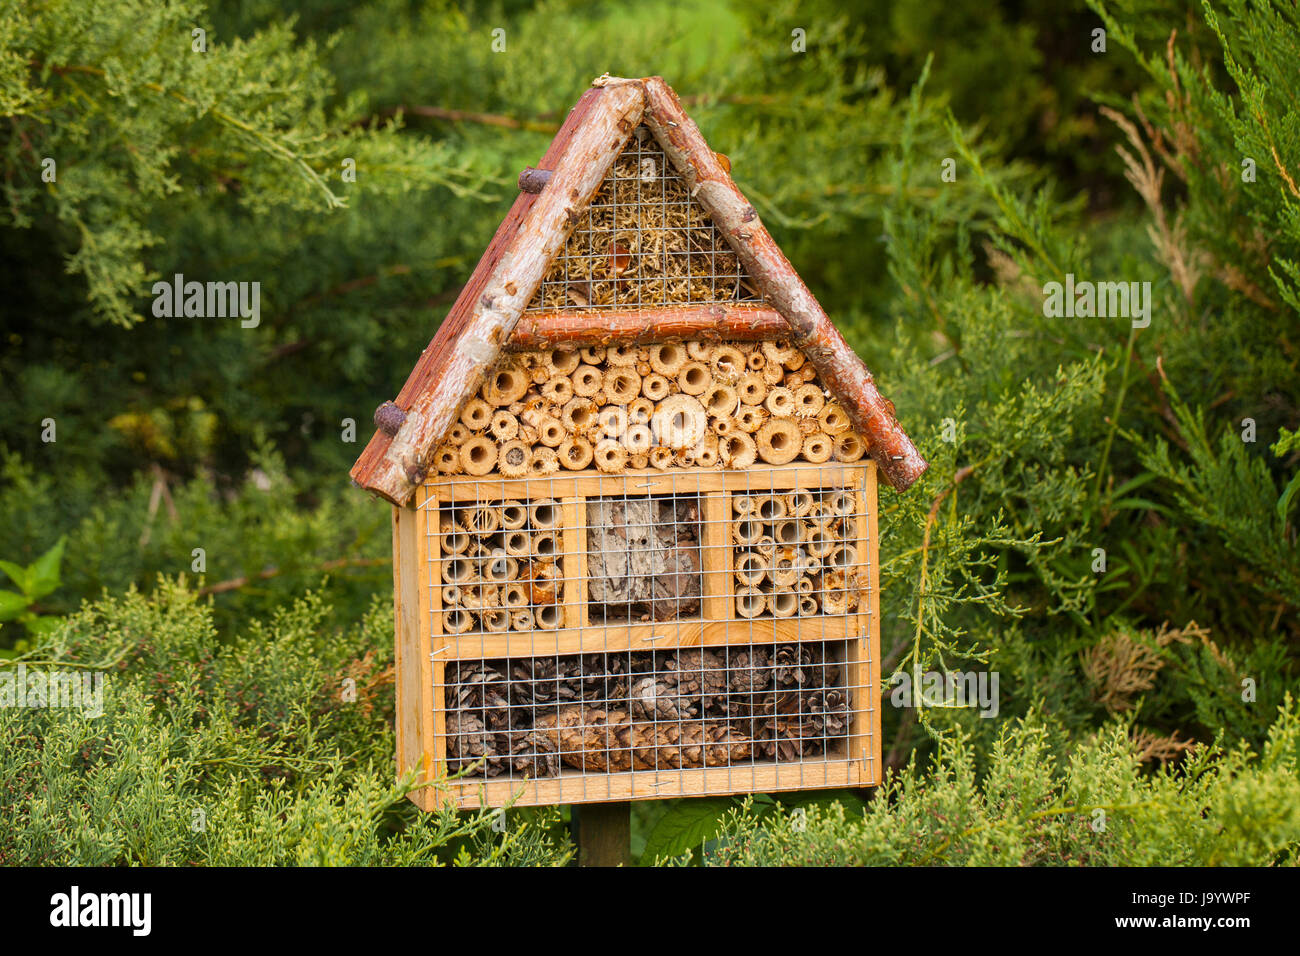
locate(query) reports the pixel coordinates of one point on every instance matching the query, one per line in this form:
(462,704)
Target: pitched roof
(486,315)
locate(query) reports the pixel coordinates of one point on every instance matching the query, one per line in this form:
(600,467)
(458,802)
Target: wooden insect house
(633,481)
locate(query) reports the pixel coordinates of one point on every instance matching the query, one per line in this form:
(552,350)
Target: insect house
(633,481)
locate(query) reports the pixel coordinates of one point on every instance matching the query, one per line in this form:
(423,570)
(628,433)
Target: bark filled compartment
(644,710)
(643,558)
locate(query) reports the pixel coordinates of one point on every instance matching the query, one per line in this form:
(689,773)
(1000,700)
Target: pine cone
(596,739)
(541,680)
(654,698)
(480,689)
(468,741)
(532,754)
(698,674)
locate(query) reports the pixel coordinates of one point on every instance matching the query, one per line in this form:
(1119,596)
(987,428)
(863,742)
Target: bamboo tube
(458,434)
(799,503)
(454,540)
(833,419)
(514,595)
(611,421)
(751,568)
(849,447)
(499,567)
(457,621)
(621,355)
(737,451)
(480,520)
(787,532)
(755,361)
(766,545)
(563,361)
(522,620)
(505,385)
(476,415)
(478,455)
(779,402)
(783,603)
(720,400)
(586,380)
(783,573)
(792,380)
(528,435)
(544,513)
(809,400)
(592,354)
(727,363)
(544,462)
(746,531)
(694,378)
(496,620)
(834,601)
(679,422)
(750,602)
(667,358)
(805,585)
(779,441)
(578,415)
(722,427)
(643,367)
(504,426)
(743,504)
(550,432)
(706,452)
(640,411)
(778,353)
(750,418)
(575,454)
(798,362)
(540,375)
(770,507)
(458,570)
(807,605)
(638,439)
(654,387)
(544,587)
(514,459)
(517,543)
(610,456)
(547,617)
(513,515)
(447,460)
(480,597)
(639,460)
(751,389)
(817,447)
(819,541)
(546,545)
(450,595)
(622,385)
(558,389)
(843,558)
(661,458)
(772,374)
(842,503)
(698,351)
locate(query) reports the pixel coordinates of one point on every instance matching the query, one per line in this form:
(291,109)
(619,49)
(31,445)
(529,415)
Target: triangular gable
(535,235)
(644,242)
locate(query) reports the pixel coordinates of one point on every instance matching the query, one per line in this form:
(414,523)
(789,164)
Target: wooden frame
(423,650)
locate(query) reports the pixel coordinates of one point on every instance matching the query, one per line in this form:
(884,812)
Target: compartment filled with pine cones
(645,710)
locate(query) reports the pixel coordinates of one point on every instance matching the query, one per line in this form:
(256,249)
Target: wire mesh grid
(703,635)
(644,241)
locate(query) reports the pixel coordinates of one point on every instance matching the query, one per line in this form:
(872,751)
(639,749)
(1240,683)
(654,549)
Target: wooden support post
(603,832)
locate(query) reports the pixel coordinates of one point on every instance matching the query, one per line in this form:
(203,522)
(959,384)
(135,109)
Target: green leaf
(43,575)
(685,827)
(1284,502)
(17,573)
(40,625)
(12,605)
